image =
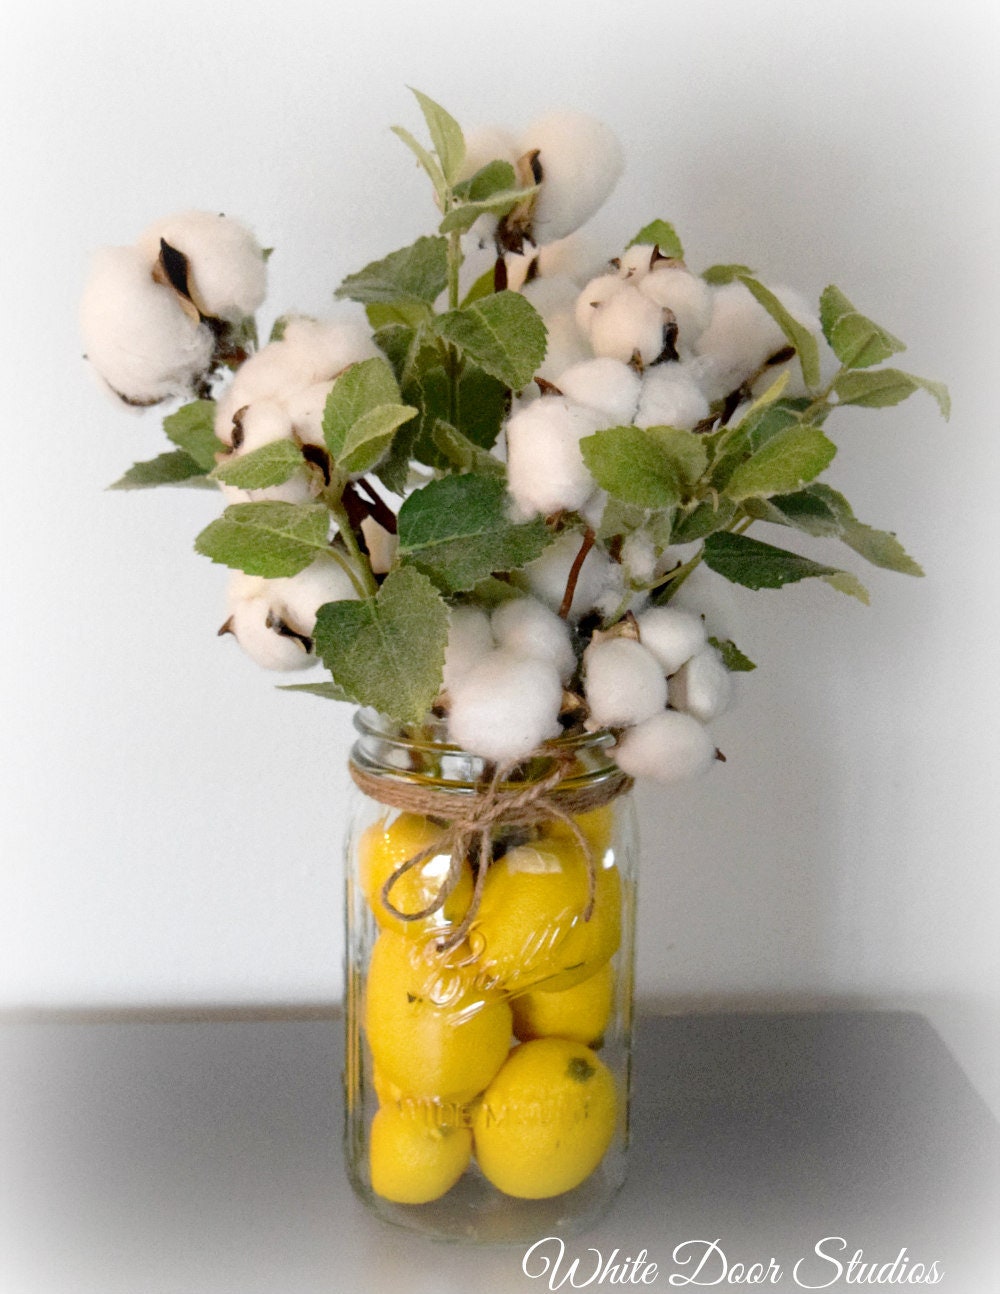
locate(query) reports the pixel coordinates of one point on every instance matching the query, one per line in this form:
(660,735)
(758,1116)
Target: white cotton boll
(305,410)
(565,345)
(634,263)
(581,161)
(639,556)
(273,373)
(381,545)
(505,706)
(547,575)
(666,748)
(593,510)
(299,488)
(623,683)
(242,587)
(136,333)
(324,349)
(487,144)
(227,273)
(739,337)
(702,686)
(687,295)
(672,636)
(577,257)
(253,625)
(470,639)
(670,397)
(594,295)
(627,323)
(262,424)
(605,384)
(297,598)
(799,308)
(545,469)
(527,627)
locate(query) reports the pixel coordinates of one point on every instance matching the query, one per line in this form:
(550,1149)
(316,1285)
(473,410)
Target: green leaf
(388,651)
(465,215)
(717,275)
(856,341)
(271,539)
(822,511)
(463,454)
(363,411)
(457,531)
(192,428)
(633,466)
(172,468)
(733,659)
(703,520)
(799,336)
(415,273)
(271,464)
(483,287)
(785,463)
(330,691)
(661,234)
(480,407)
(502,333)
(686,452)
(407,311)
(621,519)
(446,136)
(426,159)
(492,178)
(755,565)
(880,388)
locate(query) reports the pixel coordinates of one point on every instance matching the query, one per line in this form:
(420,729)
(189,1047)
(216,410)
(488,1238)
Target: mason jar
(489,983)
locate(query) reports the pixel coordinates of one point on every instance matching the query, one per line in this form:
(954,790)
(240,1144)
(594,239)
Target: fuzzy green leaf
(271,539)
(856,341)
(502,333)
(633,466)
(492,178)
(463,454)
(407,311)
(880,388)
(755,565)
(330,691)
(483,287)
(703,520)
(686,452)
(388,651)
(822,511)
(465,215)
(717,275)
(446,135)
(785,463)
(192,428)
(426,159)
(660,233)
(799,336)
(271,464)
(456,530)
(418,273)
(733,659)
(362,414)
(172,468)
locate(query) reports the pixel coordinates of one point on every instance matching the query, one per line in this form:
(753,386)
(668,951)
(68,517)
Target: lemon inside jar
(389,843)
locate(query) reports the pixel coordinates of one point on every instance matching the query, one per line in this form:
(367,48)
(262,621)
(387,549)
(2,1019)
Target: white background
(171,823)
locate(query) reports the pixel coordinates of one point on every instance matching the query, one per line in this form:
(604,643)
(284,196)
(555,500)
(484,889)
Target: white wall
(171,823)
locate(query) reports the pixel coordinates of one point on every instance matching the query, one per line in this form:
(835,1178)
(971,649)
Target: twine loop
(469,824)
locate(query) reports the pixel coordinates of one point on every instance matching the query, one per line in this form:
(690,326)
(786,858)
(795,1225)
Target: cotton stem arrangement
(474,491)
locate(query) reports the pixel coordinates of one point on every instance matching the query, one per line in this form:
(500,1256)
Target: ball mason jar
(489,983)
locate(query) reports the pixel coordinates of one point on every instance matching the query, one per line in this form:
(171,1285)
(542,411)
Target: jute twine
(467,831)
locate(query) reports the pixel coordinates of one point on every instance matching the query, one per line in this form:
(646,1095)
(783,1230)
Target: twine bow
(468,832)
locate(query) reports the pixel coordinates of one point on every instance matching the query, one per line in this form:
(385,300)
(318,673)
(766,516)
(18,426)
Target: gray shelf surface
(179,1156)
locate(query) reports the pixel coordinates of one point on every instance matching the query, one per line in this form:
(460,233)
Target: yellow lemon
(529,930)
(384,847)
(546,1120)
(412,1160)
(428,1034)
(580,1013)
(597,826)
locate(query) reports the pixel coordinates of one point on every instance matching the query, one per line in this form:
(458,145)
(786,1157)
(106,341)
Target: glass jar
(489,983)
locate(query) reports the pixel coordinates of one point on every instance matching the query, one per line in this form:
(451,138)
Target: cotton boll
(607,385)
(297,598)
(639,556)
(547,575)
(261,424)
(667,748)
(505,706)
(381,545)
(670,397)
(685,294)
(581,161)
(672,636)
(470,640)
(136,333)
(298,488)
(594,295)
(259,632)
(227,273)
(623,683)
(526,627)
(273,373)
(545,469)
(702,686)
(627,323)
(305,410)
(634,263)
(800,310)
(487,144)
(565,345)
(324,350)
(740,336)
(577,257)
